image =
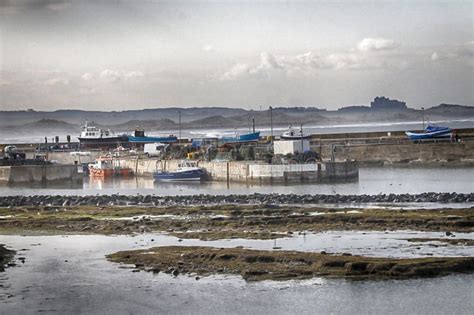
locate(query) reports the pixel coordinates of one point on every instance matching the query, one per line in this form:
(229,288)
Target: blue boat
(249,137)
(187,171)
(430,132)
(139,137)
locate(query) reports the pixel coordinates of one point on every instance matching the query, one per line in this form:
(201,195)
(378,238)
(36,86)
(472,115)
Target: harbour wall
(68,158)
(38,173)
(456,153)
(253,172)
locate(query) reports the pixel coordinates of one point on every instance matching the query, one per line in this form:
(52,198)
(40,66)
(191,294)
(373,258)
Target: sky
(118,55)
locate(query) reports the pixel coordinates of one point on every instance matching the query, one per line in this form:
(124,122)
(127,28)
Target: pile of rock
(267,199)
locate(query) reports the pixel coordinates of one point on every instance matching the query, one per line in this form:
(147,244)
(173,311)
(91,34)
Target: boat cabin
(187,164)
(93,132)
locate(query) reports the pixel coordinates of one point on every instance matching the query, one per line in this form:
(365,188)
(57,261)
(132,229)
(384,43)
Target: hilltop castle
(384,103)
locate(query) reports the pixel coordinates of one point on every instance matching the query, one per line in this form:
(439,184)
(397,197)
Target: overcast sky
(114,55)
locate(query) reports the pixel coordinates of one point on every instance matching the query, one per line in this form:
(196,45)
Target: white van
(155,149)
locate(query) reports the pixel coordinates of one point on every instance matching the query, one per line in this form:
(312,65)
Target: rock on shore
(6,256)
(155,200)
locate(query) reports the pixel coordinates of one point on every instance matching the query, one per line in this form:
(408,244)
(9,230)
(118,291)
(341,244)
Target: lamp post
(249,122)
(271,126)
(302,143)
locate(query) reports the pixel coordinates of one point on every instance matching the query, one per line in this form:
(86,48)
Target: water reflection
(371,181)
(69,274)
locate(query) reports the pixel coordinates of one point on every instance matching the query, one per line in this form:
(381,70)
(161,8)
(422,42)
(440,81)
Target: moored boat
(92,137)
(139,137)
(248,137)
(290,134)
(186,171)
(430,132)
(106,167)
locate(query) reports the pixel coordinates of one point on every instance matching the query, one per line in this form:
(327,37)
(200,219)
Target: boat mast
(179,123)
(423,114)
(302,146)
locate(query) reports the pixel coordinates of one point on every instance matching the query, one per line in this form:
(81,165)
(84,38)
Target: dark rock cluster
(267,199)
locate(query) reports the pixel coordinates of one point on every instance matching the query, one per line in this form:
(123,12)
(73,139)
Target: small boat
(187,171)
(92,137)
(292,135)
(139,137)
(248,137)
(107,167)
(430,132)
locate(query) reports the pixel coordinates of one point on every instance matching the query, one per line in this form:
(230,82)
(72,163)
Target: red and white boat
(108,167)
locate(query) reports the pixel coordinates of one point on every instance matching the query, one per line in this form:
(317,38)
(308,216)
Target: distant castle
(384,103)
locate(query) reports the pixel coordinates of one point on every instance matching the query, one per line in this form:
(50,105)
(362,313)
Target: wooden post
(228,175)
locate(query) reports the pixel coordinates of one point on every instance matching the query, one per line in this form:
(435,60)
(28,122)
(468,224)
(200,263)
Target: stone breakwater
(267,199)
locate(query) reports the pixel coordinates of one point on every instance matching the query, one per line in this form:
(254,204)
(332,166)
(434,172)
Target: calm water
(371,181)
(69,274)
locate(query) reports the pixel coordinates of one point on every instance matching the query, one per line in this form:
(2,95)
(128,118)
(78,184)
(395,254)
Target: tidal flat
(257,265)
(210,222)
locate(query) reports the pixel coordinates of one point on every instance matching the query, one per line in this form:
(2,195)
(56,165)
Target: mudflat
(227,220)
(211,222)
(254,265)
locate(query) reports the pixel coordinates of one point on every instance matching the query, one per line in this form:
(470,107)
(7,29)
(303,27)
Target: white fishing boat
(93,137)
(291,134)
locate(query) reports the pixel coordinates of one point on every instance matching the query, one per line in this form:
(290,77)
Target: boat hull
(101,143)
(285,137)
(133,139)
(431,132)
(192,175)
(250,137)
(123,172)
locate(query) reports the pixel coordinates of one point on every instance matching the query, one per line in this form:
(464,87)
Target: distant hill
(452,110)
(354,108)
(116,117)
(145,124)
(70,121)
(43,124)
(212,122)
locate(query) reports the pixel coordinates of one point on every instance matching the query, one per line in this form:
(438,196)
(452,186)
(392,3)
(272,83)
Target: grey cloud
(463,52)
(310,63)
(57,81)
(114,76)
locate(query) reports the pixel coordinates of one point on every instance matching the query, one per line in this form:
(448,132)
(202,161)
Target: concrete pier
(254,172)
(451,153)
(38,173)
